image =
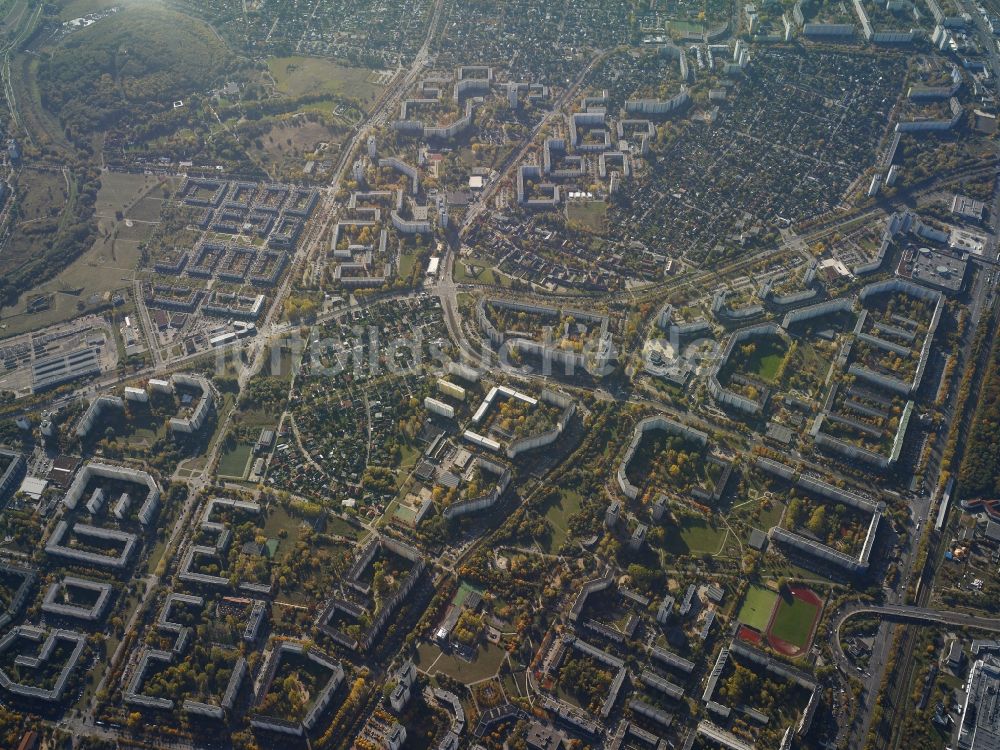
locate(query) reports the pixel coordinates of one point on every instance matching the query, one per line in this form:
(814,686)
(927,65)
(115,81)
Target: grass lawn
(486,663)
(566,695)
(590,216)
(147,209)
(785,569)
(156,554)
(510,686)
(110,644)
(694,536)
(225,409)
(233,462)
(410,454)
(793,621)
(473,270)
(813,361)
(771,516)
(807,369)
(340,527)
(558,513)
(407,261)
(118,191)
(146,435)
(279,520)
(769,366)
(757,607)
(257,418)
(767,358)
(309,76)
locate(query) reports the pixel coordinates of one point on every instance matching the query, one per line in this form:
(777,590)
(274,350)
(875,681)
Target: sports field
(687,27)
(464,590)
(233,461)
(794,621)
(757,607)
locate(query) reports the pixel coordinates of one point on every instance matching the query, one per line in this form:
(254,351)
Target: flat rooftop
(51,371)
(969,207)
(980,725)
(938,270)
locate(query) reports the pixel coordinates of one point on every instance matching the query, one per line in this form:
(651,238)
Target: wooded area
(129,70)
(980,472)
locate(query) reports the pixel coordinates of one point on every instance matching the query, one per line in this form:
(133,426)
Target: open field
(119,191)
(81,286)
(278,521)
(558,514)
(694,536)
(485,664)
(771,516)
(308,76)
(254,418)
(340,527)
(757,607)
(110,263)
(515,685)
(41,199)
(293,141)
(590,216)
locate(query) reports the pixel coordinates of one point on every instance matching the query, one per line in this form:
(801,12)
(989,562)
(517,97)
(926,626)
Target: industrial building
(980,723)
(58,369)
